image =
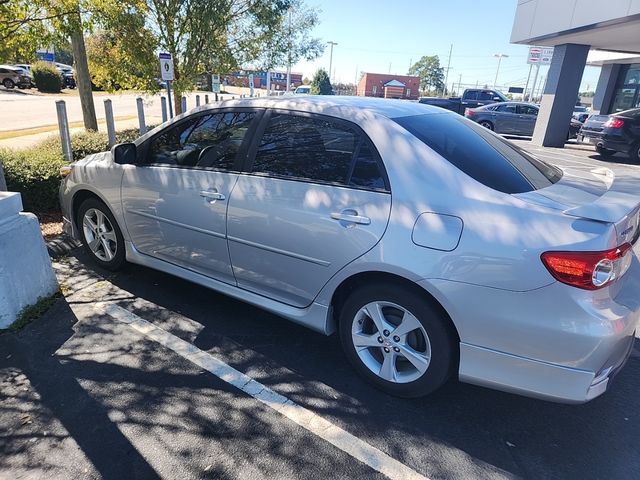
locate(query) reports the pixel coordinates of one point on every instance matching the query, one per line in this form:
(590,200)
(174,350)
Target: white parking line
(348,443)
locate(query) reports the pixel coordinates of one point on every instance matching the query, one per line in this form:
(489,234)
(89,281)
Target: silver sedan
(435,248)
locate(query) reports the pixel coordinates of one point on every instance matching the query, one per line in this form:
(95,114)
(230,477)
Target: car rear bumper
(555,343)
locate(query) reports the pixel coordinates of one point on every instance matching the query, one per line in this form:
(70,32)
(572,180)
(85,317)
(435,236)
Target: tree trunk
(3,183)
(83,79)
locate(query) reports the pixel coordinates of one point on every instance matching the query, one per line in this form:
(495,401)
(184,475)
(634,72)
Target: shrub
(47,78)
(35,172)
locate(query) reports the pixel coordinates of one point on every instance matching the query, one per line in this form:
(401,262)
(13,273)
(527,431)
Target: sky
(383,36)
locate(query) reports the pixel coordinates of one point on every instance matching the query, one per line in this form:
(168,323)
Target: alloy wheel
(391,342)
(99,234)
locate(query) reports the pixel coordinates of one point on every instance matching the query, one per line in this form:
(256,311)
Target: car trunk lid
(594,124)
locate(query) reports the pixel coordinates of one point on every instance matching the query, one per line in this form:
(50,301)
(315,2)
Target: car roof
(335,105)
(509,103)
(11,67)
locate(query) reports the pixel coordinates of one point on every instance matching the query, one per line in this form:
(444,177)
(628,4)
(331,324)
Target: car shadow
(496,431)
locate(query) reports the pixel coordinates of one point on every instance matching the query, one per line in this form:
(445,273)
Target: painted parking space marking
(348,443)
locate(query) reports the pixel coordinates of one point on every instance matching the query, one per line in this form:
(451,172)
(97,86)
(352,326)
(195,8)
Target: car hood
(597,194)
(93,159)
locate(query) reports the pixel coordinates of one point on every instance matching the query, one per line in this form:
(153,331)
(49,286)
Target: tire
(8,83)
(431,341)
(486,124)
(604,152)
(634,153)
(101,236)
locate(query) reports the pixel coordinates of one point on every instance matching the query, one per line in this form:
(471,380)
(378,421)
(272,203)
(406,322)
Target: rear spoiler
(610,208)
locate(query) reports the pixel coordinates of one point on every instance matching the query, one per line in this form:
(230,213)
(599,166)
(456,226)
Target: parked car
(435,247)
(512,118)
(303,90)
(610,134)
(471,98)
(11,77)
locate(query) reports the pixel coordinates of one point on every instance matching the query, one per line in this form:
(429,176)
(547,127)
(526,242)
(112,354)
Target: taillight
(469,113)
(614,122)
(589,270)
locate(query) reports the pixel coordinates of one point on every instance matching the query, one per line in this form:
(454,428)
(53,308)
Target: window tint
(482,155)
(485,95)
(527,110)
(208,141)
(366,171)
(306,148)
(471,95)
(506,108)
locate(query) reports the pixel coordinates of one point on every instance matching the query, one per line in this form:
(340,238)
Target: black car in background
(619,132)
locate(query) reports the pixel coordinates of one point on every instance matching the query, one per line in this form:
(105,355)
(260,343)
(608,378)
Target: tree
(321,85)
(430,72)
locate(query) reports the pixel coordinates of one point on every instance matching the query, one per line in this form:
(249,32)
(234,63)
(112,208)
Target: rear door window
(471,95)
(506,108)
(318,150)
(482,155)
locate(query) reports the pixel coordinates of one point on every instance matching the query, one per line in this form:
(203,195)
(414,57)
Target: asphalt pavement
(142,375)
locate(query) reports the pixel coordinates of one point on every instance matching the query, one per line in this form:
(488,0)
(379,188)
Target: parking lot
(141,375)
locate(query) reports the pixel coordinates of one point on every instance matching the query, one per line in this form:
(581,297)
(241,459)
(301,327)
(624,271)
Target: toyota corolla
(435,248)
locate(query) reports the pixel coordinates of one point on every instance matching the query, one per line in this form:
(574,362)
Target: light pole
(331,57)
(499,55)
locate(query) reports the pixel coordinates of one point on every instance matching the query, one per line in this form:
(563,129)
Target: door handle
(211,195)
(351,216)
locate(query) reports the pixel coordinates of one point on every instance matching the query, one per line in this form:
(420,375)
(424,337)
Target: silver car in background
(510,118)
(432,245)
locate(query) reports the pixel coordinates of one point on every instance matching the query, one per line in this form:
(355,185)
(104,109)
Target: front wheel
(101,236)
(634,153)
(8,83)
(398,340)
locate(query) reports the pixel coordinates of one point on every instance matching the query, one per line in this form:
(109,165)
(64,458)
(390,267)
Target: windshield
(481,154)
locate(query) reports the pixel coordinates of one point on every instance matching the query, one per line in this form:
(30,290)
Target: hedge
(46,77)
(35,172)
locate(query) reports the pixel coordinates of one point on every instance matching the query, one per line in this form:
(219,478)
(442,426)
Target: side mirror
(497,99)
(124,153)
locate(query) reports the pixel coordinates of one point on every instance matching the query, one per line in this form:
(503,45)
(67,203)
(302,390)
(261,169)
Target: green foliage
(430,72)
(35,172)
(321,85)
(47,78)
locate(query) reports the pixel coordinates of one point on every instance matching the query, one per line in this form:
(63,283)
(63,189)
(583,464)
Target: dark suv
(620,132)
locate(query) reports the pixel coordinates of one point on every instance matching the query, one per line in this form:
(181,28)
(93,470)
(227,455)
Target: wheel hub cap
(99,235)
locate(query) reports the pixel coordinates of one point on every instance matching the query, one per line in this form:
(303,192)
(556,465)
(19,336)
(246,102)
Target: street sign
(166,66)
(215,83)
(540,55)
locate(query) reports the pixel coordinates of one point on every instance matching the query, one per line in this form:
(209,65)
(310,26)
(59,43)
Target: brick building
(388,86)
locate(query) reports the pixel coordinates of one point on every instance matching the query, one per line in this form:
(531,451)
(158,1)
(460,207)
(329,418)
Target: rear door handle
(351,216)
(212,195)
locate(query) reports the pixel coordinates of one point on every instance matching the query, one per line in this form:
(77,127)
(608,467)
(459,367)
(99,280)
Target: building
(575,28)
(278,79)
(388,86)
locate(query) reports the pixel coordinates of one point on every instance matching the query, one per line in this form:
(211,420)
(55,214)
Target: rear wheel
(604,152)
(8,83)
(634,153)
(398,340)
(101,236)
(486,124)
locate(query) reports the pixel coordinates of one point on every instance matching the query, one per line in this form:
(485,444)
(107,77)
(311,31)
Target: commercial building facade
(388,86)
(575,28)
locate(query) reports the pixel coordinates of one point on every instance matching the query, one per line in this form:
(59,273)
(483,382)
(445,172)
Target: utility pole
(499,56)
(446,75)
(332,43)
(459,84)
(524,94)
(535,82)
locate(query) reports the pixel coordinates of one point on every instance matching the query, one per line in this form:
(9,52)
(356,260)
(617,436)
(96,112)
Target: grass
(54,128)
(32,312)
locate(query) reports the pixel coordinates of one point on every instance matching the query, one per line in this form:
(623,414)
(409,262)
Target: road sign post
(251,84)
(166,73)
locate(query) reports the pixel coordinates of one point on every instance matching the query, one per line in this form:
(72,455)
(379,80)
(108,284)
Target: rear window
(482,155)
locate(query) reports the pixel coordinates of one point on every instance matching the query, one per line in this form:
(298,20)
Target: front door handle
(351,216)
(212,195)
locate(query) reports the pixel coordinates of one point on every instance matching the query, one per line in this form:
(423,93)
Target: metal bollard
(63,126)
(197,100)
(111,128)
(184,104)
(216,94)
(206,99)
(163,107)
(141,122)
